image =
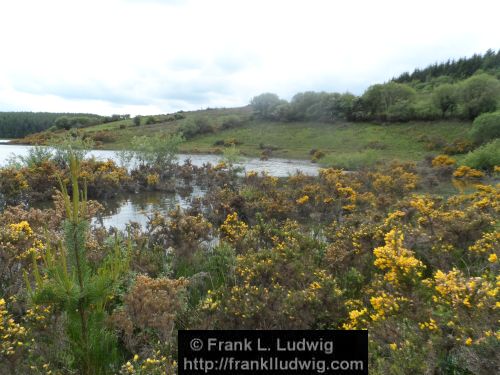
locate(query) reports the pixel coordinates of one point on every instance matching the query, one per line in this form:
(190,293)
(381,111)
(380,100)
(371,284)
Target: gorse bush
(104,136)
(367,249)
(38,181)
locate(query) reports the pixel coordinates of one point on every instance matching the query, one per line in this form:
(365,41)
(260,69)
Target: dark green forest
(20,124)
(456,69)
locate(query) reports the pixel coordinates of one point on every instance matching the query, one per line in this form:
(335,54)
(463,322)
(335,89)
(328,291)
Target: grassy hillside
(342,143)
(296,140)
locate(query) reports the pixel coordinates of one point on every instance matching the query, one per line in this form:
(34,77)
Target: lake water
(274,166)
(138,207)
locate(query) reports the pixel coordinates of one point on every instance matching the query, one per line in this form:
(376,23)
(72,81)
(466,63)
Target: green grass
(109,126)
(348,145)
(337,141)
(162,127)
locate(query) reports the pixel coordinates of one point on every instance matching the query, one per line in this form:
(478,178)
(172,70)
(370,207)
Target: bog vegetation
(373,249)
(408,250)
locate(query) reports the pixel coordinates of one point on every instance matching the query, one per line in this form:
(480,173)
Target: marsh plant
(36,156)
(71,145)
(155,152)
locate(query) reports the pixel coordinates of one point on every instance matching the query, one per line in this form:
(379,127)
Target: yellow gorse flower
(467,172)
(302,200)
(233,229)
(19,229)
(395,259)
(442,161)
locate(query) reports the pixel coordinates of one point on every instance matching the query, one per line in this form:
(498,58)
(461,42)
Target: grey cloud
(198,92)
(226,63)
(88,91)
(144,89)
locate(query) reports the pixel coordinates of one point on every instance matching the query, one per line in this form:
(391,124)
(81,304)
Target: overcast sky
(160,56)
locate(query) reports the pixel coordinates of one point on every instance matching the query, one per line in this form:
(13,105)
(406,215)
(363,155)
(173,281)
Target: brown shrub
(149,311)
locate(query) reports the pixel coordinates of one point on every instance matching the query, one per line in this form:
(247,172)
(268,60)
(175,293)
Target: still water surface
(138,207)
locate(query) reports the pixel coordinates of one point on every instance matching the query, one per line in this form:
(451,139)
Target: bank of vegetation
(378,249)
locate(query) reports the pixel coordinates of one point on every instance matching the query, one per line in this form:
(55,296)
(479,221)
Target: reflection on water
(118,212)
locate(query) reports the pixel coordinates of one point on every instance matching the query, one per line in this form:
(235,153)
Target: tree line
(457,69)
(461,89)
(387,102)
(20,124)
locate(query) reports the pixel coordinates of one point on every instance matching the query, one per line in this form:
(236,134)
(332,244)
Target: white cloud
(157,56)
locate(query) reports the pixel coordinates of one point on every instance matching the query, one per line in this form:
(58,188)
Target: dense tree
(62,123)
(327,107)
(306,105)
(445,97)
(265,104)
(425,108)
(115,117)
(342,105)
(457,69)
(20,124)
(282,112)
(309,105)
(479,94)
(194,127)
(388,100)
(77,121)
(137,120)
(391,101)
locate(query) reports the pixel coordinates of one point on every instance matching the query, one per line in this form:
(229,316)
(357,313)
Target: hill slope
(342,143)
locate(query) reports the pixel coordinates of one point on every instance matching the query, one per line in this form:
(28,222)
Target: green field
(296,140)
(344,144)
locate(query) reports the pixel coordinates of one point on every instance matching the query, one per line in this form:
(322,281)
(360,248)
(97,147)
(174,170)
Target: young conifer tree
(80,291)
